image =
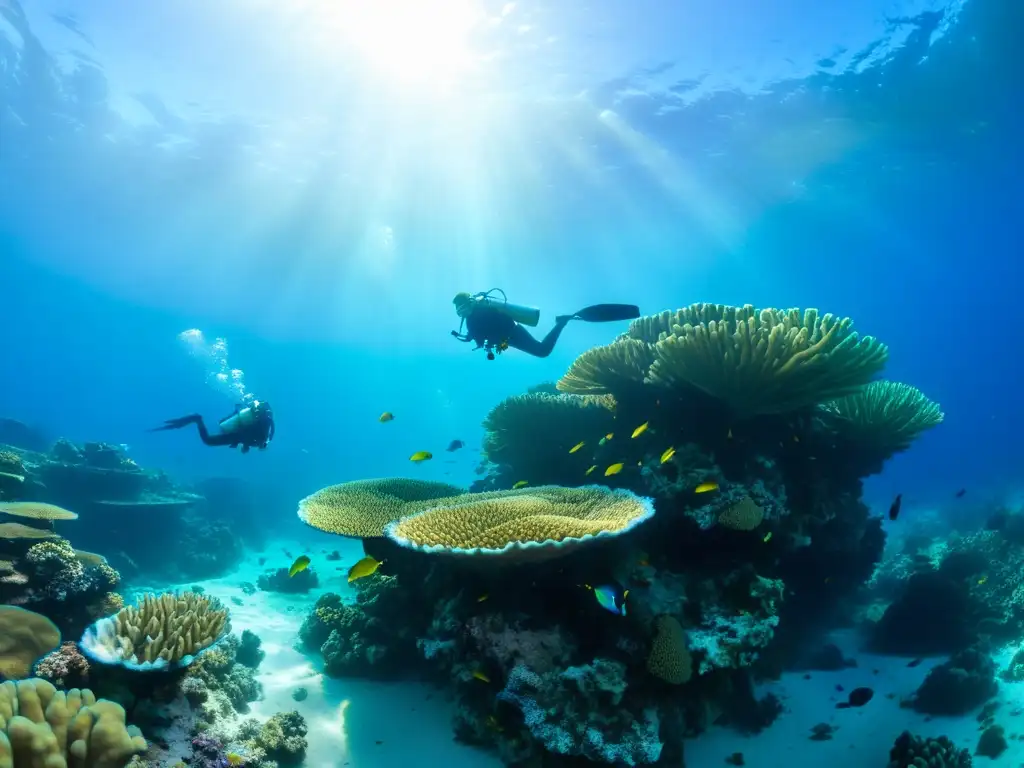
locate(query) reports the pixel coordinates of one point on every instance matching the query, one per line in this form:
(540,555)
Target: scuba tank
(240,419)
(523,315)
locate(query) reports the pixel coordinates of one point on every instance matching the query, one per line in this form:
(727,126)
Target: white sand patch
(346,718)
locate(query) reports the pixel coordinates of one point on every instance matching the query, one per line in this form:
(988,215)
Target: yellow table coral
(526,524)
(41,726)
(363,508)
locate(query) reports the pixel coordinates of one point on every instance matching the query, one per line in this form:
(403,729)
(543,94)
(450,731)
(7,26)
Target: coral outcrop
(162,631)
(41,726)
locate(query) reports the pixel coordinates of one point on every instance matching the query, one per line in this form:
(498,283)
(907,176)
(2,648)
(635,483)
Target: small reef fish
(641,429)
(421,456)
(520,484)
(482,597)
(668,454)
(592,468)
(915,663)
(982,580)
(481,677)
(767,537)
(705,487)
(894,510)
(960,494)
(610,597)
(729,435)
(301,563)
(454,445)
(578,445)
(386,417)
(365,567)
(858,698)
(614,469)
(606,438)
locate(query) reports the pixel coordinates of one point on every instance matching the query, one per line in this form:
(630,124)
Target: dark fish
(894,510)
(960,494)
(454,445)
(914,663)
(858,698)
(839,688)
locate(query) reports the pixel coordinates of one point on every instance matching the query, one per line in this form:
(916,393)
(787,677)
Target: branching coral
(767,361)
(41,726)
(528,524)
(881,419)
(163,631)
(65,667)
(363,508)
(615,368)
(24,637)
(281,738)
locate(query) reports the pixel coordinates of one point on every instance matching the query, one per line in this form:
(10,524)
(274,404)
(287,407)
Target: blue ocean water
(314,181)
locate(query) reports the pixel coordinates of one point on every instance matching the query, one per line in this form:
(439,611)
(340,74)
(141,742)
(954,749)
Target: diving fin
(178,423)
(608,313)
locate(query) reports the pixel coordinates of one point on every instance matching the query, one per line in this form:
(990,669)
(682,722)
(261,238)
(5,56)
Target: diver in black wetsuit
(250,426)
(496,325)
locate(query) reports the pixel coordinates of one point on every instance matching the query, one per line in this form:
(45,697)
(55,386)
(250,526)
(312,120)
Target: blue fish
(610,597)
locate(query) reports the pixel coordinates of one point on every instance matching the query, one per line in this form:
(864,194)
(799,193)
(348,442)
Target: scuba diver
(251,426)
(495,324)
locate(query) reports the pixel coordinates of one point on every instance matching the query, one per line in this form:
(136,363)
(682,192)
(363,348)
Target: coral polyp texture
(544,427)
(25,637)
(669,658)
(46,728)
(882,418)
(363,508)
(163,631)
(753,361)
(35,510)
(525,524)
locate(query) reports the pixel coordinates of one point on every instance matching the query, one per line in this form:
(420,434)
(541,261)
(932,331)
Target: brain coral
(744,515)
(46,728)
(363,508)
(36,510)
(529,523)
(25,637)
(163,631)
(669,658)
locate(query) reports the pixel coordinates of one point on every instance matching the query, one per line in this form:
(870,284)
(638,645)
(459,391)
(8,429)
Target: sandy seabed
(370,724)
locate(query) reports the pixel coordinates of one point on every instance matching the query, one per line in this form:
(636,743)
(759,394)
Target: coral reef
(957,686)
(162,631)
(219,674)
(40,725)
(278,580)
(65,667)
(911,751)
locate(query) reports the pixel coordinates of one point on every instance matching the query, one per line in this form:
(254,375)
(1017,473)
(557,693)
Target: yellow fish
(641,429)
(481,676)
(482,597)
(421,456)
(982,580)
(386,416)
(767,537)
(668,454)
(365,567)
(705,487)
(300,564)
(578,445)
(520,484)
(591,469)
(614,469)
(606,438)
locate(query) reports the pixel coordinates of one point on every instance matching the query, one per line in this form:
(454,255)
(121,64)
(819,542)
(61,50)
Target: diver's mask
(464,304)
